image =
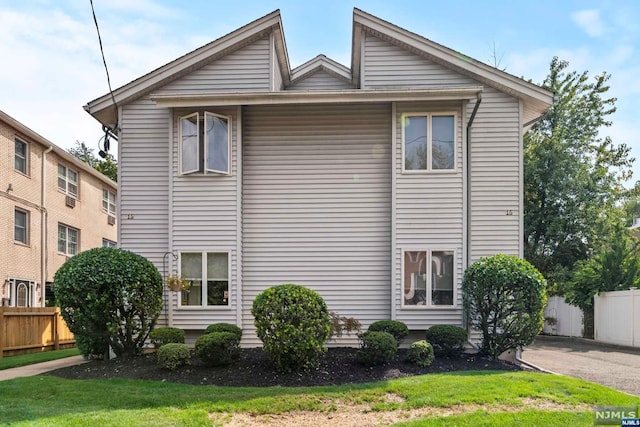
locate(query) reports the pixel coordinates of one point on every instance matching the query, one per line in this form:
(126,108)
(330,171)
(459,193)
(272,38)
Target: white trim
(115,198)
(239,229)
(218,99)
(394,203)
(27,226)
(429,116)
(65,190)
(203,295)
(170,180)
(465,199)
(27,152)
(520,181)
(320,62)
(229,153)
(429,285)
(180,142)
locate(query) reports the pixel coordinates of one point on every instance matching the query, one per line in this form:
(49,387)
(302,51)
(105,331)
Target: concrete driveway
(612,366)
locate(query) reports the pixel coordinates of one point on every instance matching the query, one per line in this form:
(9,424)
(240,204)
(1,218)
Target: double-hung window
(67,181)
(67,240)
(109,201)
(205,143)
(427,278)
(106,243)
(21,226)
(208,277)
(428,141)
(21,156)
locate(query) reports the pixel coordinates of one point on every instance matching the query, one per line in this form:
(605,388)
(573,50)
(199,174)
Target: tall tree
(107,166)
(572,176)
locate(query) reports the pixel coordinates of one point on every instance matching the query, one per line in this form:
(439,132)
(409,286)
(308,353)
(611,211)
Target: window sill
(24,245)
(204,307)
(430,172)
(26,175)
(428,307)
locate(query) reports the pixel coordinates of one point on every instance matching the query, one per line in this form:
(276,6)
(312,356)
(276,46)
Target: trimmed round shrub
(447,340)
(421,353)
(218,348)
(224,327)
(112,295)
(398,329)
(293,323)
(504,297)
(376,348)
(166,335)
(173,355)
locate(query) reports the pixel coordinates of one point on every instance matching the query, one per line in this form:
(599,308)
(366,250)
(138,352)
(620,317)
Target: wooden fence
(32,330)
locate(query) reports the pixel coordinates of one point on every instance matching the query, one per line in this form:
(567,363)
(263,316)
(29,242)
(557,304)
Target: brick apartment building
(52,206)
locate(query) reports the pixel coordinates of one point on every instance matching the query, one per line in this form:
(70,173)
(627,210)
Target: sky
(51,66)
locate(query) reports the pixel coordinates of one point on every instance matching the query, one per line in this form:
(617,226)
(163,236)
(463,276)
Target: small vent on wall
(70,201)
(111,219)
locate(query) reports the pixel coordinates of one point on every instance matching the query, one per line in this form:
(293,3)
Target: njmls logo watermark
(616,415)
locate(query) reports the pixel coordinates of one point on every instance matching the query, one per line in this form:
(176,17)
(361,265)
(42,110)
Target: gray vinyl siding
(389,66)
(277,71)
(316,208)
(247,69)
(204,219)
(495,176)
(429,216)
(320,80)
(143,187)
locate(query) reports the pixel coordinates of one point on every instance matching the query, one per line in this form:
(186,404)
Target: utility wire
(104,61)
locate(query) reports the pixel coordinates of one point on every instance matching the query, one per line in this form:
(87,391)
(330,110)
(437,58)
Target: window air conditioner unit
(111,220)
(70,201)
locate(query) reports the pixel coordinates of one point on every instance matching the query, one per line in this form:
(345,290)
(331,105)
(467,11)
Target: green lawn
(30,359)
(462,399)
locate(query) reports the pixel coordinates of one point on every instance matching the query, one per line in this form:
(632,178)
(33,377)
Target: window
(67,240)
(20,293)
(109,201)
(106,243)
(205,143)
(212,291)
(21,156)
(21,226)
(428,142)
(428,278)
(68,180)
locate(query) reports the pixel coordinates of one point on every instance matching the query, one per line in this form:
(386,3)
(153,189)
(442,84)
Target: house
(52,206)
(375,185)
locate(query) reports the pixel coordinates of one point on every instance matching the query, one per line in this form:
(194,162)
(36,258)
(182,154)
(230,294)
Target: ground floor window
(19,293)
(208,277)
(427,278)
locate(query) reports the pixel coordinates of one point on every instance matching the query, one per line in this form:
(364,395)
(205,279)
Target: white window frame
(202,144)
(429,116)
(107,205)
(67,181)
(203,296)
(25,158)
(26,226)
(429,285)
(14,287)
(106,243)
(66,239)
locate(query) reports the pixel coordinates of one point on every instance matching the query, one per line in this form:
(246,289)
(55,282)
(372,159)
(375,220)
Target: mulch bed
(337,366)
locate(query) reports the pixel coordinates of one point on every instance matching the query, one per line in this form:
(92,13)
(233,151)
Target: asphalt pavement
(613,366)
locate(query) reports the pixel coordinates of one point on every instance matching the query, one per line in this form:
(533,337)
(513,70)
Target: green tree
(107,166)
(573,177)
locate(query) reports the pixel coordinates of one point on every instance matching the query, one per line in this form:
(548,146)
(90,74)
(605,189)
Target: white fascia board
(318,63)
(452,59)
(186,62)
(315,97)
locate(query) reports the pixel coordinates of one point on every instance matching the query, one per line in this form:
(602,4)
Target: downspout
(468,177)
(43,226)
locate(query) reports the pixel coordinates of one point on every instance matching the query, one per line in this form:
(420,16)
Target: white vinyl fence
(562,318)
(617,317)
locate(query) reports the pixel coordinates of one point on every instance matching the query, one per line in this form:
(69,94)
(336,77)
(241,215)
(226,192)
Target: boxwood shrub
(398,329)
(218,348)
(166,335)
(376,348)
(224,327)
(421,353)
(173,355)
(447,340)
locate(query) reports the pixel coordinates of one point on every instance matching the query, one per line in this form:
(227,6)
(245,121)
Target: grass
(30,359)
(463,399)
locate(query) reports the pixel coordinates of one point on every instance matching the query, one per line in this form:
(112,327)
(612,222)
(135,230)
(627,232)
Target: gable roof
(536,100)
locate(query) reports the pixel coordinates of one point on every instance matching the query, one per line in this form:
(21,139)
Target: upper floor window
(21,226)
(68,180)
(428,142)
(205,142)
(21,156)
(428,278)
(208,276)
(106,243)
(67,240)
(109,201)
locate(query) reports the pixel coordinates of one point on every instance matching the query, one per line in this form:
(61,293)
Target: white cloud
(589,20)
